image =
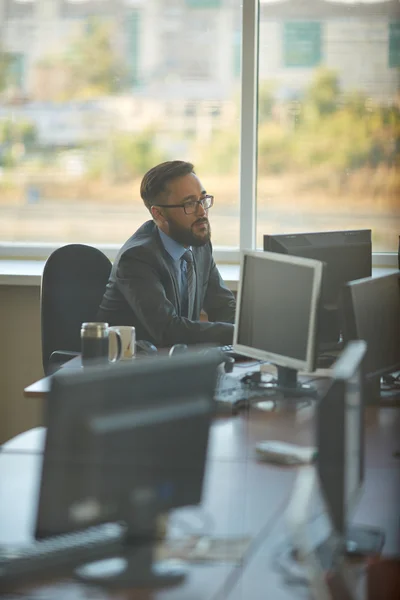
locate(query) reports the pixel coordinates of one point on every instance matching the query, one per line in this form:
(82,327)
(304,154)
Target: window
(15,9)
(204,3)
(133,45)
(301,44)
(95,92)
(84,8)
(394,44)
(99,79)
(329,120)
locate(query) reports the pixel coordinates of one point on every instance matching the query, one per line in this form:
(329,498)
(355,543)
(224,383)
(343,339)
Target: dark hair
(155,180)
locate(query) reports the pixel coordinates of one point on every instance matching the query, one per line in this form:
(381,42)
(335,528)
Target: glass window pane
(329,119)
(93,93)
(19,10)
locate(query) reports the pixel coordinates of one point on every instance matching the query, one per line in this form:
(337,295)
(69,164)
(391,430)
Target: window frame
(247,165)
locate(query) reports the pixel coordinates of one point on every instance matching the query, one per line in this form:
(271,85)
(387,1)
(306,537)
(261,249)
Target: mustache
(202,220)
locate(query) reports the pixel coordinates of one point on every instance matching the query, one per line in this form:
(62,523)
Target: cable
(234,575)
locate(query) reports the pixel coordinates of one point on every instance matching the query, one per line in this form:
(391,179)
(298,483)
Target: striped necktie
(191,281)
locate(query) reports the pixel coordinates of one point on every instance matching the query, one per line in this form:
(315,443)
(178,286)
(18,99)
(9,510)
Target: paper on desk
(200,549)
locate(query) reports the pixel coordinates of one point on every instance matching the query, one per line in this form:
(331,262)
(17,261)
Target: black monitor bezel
(350,327)
(331,434)
(309,362)
(67,392)
(326,239)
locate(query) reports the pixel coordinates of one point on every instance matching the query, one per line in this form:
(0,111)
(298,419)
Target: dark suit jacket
(143,291)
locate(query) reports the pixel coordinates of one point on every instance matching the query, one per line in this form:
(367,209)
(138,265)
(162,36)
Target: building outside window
(329,119)
(93,93)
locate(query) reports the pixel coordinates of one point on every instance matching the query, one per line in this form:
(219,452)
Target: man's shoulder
(146,238)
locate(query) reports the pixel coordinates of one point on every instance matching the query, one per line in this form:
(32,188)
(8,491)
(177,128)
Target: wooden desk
(40,388)
(241,497)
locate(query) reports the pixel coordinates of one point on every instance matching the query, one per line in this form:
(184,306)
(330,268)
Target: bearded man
(165,274)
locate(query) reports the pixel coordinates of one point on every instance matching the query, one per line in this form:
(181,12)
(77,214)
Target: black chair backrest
(73,283)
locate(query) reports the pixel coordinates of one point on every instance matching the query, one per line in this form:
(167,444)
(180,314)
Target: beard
(188,236)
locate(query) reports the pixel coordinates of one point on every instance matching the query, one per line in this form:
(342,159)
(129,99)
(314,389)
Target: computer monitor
(341,447)
(277,313)
(347,255)
(370,310)
(317,545)
(127,443)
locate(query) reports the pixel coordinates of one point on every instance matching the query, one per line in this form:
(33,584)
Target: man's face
(188,230)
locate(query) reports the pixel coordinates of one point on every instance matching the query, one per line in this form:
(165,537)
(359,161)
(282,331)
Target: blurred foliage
(326,128)
(326,131)
(220,155)
(23,131)
(126,156)
(266,101)
(274,150)
(16,138)
(95,67)
(323,93)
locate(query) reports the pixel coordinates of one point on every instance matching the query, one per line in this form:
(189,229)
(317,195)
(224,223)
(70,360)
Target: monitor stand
(133,567)
(288,385)
(359,541)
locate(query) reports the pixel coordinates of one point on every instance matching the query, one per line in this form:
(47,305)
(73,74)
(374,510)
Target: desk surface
(40,388)
(241,497)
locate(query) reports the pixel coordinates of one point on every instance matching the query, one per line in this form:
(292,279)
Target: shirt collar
(174,249)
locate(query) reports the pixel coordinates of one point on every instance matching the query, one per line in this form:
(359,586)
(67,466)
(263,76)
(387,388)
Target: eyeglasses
(190,206)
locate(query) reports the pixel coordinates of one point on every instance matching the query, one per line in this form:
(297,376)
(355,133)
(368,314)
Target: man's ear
(158,215)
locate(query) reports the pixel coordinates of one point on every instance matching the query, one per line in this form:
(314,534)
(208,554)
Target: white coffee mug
(128,339)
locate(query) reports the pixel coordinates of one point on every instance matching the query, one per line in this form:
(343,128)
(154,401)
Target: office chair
(73,283)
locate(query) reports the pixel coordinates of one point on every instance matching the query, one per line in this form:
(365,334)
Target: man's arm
(140,284)
(219,302)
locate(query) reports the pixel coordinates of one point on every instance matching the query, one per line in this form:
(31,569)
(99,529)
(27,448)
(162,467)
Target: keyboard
(59,554)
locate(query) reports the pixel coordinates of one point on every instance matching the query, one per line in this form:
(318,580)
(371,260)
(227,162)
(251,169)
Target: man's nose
(201,211)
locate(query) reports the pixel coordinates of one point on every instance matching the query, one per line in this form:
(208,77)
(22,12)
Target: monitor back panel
(370,311)
(124,439)
(347,255)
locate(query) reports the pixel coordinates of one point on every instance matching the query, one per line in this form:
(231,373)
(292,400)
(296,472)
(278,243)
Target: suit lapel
(172,272)
(168,265)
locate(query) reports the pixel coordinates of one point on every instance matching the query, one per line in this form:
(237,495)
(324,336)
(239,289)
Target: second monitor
(347,256)
(277,314)
(371,312)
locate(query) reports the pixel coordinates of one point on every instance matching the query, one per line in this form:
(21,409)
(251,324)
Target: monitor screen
(126,442)
(347,255)
(277,309)
(371,312)
(340,435)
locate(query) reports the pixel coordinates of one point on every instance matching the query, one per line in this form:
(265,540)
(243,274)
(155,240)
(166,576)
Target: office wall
(20,359)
